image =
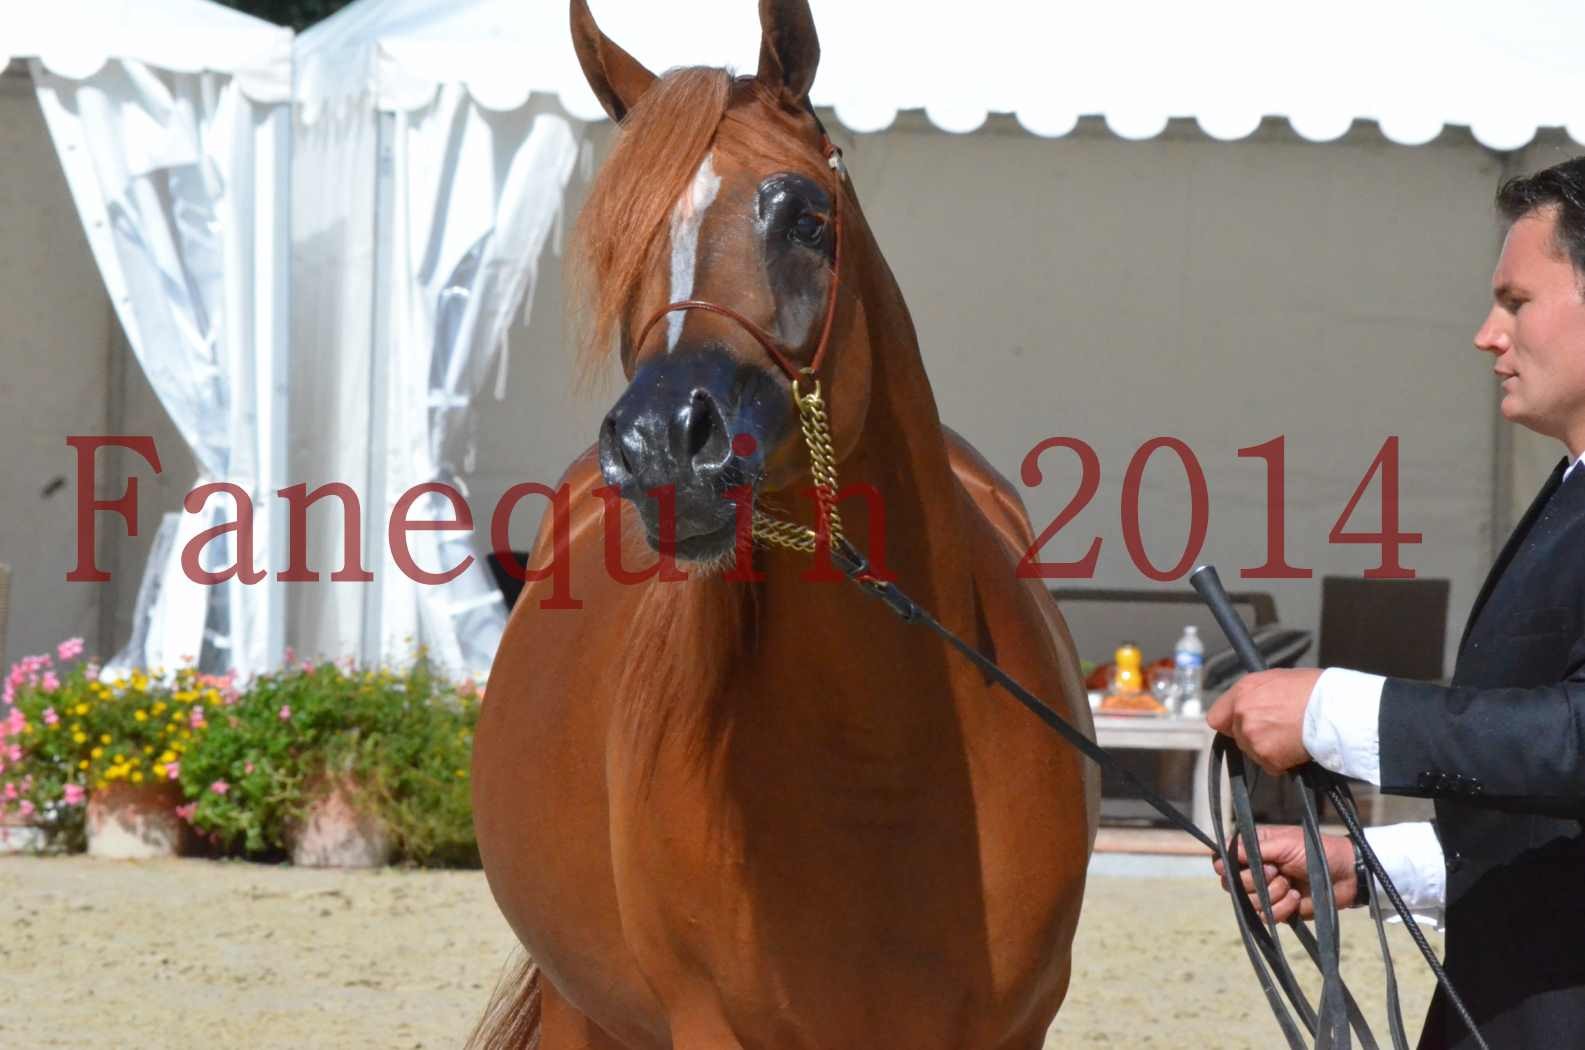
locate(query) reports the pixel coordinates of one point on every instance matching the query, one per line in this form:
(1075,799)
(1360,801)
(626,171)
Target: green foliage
(250,763)
(299,14)
(401,741)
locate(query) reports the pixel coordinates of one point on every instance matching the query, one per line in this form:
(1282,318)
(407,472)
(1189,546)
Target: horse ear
(618,79)
(789,50)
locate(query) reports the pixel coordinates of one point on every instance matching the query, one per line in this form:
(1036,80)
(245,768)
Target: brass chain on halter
(816,426)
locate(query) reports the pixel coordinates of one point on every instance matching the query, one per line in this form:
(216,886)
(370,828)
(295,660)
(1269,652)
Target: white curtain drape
(179,180)
(474,197)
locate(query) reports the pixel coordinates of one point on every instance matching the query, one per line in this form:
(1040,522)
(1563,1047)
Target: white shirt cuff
(1412,857)
(1341,731)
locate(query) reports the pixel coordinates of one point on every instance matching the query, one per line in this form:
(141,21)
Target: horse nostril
(613,442)
(706,442)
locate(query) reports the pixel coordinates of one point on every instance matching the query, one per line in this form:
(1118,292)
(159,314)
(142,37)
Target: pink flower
(16,722)
(186,812)
(74,795)
(25,809)
(70,649)
(195,717)
(173,771)
(286,712)
(50,682)
(92,671)
(291,655)
(247,767)
(220,787)
(15,754)
(10,792)
(50,717)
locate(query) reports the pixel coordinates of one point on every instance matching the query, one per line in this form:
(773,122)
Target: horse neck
(902,456)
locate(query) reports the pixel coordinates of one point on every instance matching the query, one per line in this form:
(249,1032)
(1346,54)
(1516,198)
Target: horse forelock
(624,230)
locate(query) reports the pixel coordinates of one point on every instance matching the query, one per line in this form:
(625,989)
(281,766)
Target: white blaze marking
(686,219)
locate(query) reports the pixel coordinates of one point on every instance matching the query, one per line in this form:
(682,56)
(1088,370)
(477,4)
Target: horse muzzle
(690,433)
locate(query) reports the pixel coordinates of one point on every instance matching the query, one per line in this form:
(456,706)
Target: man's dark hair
(1562,186)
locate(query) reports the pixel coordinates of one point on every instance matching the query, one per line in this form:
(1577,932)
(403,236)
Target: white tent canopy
(1414,66)
(170,123)
(74,39)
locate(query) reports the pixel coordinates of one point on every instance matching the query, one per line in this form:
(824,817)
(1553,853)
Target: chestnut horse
(726,813)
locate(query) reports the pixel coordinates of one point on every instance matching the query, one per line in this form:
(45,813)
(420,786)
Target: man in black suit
(1502,749)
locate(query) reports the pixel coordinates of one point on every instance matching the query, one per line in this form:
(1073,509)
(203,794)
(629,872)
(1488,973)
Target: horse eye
(808,230)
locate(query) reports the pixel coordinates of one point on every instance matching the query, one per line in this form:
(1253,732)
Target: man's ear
(789,50)
(617,77)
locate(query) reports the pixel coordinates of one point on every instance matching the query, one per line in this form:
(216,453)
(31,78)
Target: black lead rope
(1338,1011)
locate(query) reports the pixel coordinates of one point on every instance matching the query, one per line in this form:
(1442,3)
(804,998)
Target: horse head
(720,253)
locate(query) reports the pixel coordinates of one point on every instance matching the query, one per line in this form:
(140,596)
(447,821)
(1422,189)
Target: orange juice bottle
(1129,678)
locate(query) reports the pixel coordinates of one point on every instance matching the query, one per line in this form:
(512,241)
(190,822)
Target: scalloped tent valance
(75,38)
(1413,66)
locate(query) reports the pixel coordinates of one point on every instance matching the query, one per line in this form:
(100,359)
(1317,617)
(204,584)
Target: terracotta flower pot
(19,835)
(137,822)
(339,831)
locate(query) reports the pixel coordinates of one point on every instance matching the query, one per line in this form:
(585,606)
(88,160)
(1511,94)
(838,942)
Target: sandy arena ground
(202,955)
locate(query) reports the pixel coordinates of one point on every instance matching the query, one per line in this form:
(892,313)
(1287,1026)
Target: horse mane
(623,230)
(683,647)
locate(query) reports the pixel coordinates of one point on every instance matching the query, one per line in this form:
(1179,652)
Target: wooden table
(1170,733)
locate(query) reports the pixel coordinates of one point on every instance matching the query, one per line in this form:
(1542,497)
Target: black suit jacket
(1502,751)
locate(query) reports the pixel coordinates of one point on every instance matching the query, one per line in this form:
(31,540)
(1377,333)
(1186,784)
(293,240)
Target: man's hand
(1287,880)
(1264,714)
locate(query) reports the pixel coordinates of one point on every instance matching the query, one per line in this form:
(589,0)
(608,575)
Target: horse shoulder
(1003,510)
(541,810)
(992,493)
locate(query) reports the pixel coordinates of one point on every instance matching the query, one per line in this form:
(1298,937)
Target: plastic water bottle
(1188,659)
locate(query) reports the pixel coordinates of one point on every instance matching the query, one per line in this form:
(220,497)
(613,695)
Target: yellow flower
(140,715)
(104,738)
(159,771)
(168,756)
(137,778)
(96,752)
(83,764)
(147,750)
(186,734)
(159,707)
(80,709)
(79,738)
(461,774)
(170,729)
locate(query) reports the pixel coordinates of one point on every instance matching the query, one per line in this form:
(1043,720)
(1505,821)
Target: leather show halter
(1337,1013)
